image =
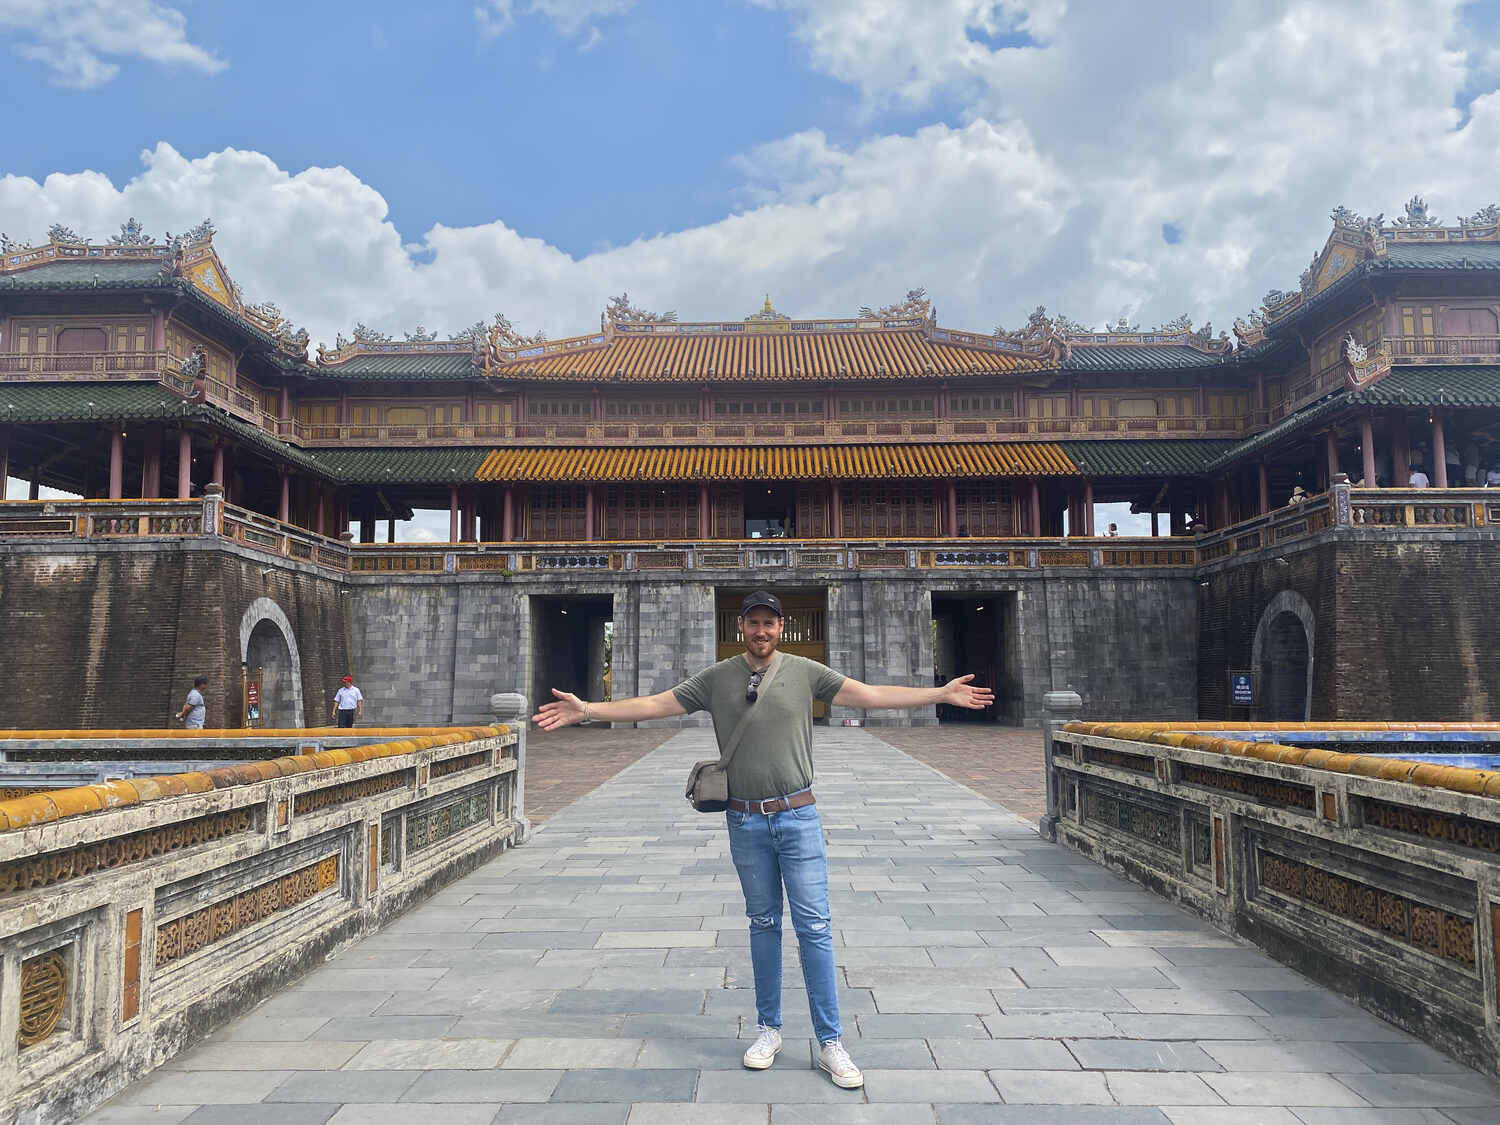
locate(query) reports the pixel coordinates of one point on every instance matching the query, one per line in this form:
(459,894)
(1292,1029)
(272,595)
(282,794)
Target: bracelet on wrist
(588,714)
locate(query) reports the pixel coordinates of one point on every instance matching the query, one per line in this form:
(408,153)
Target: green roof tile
(1442,256)
(445,365)
(410,466)
(1154,357)
(1435,385)
(1145,458)
(82,402)
(90,273)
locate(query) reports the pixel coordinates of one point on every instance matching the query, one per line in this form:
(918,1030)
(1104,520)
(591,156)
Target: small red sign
(252,692)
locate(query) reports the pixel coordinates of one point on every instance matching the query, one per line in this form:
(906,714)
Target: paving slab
(600,975)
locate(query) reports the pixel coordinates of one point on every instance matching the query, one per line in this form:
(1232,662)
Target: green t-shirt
(775,752)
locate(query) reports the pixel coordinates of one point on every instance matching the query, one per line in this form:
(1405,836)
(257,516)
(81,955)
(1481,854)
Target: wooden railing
(1446,349)
(85,367)
(694,431)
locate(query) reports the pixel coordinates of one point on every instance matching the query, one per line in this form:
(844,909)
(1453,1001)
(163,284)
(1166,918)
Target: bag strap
(732,743)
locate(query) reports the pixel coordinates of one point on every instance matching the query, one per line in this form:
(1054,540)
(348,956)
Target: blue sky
(582,145)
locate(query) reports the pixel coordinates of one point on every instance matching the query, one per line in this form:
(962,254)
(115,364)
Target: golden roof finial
(767,307)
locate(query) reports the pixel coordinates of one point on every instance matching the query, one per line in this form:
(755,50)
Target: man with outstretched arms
(775,835)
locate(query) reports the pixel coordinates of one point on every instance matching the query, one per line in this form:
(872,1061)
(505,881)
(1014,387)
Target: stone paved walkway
(601,974)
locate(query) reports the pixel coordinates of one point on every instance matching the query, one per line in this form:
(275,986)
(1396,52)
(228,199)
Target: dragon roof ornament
(620,310)
(916,303)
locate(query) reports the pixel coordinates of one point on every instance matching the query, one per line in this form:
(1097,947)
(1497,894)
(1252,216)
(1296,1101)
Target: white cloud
(78,38)
(1238,128)
(570,17)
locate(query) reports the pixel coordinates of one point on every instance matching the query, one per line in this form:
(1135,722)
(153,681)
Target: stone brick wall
(112,635)
(1403,630)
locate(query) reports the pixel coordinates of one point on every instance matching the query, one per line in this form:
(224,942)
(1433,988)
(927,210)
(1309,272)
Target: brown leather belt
(775,804)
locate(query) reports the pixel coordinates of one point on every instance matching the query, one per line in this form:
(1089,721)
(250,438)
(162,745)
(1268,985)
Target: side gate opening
(570,645)
(976,632)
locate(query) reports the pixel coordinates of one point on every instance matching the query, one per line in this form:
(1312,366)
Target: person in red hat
(348,702)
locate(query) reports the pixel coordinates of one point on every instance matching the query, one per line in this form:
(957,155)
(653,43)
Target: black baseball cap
(761,598)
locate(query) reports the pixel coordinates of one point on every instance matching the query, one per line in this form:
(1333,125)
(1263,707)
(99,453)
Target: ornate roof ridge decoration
(189,257)
(767,312)
(620,309)
(1038,340)
(916,303)
(1356,239)
(1366,366)
(367,341)
(1177,332)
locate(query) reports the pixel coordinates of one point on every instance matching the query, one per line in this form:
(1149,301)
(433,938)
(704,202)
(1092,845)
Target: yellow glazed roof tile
(681,354)
(812,462)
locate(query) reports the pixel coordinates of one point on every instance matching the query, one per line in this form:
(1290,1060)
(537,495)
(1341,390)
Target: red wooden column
(1263,485)
(1400,451)
(1367,448)
(835,510)
(151,465)
(705,513)
(1332,442)
(453,513)
(390,531)
(218,477)
(4,460)
(508,514)
(950,506)
(588,508)
(116,465)
(1221,508)
(1088,507)
(322,502)
(1439,452)
(468,514)
(1154,532)
(1036,509)
(284,503)
(184,464)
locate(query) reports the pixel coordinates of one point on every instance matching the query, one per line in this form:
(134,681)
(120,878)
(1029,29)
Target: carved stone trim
(184,936)
(58,867)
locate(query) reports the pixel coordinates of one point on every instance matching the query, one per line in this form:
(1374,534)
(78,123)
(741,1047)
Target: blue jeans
(786,848)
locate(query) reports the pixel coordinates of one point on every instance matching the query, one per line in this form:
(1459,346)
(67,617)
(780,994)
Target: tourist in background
(348,703)
(194,710)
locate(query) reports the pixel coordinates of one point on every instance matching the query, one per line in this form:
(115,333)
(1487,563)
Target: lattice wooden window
(406,416)
(651,512)
(556,513)
(812,511)
(890,509)
(985,509)
(885,406)
(770,408)
(544,408)
(1047,406)
(318,413)
(651,408)
(982,405)
(728,512)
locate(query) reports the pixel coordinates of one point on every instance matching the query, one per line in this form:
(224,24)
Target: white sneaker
(762,1053)
(840,1067)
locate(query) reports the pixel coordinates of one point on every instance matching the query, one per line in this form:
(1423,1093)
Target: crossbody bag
(708,783)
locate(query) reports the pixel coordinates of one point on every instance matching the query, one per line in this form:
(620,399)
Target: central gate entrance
(805,633)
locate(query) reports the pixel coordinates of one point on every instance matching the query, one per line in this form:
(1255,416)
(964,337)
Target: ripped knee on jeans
(765,921)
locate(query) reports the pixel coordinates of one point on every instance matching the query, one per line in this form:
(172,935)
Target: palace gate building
(923,497)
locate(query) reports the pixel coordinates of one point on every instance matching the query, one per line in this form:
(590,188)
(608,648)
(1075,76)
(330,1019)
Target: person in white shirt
(348,702)
(1418,479)
(194,710)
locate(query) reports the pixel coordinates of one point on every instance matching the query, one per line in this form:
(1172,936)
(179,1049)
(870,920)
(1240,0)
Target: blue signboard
(1242,688)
